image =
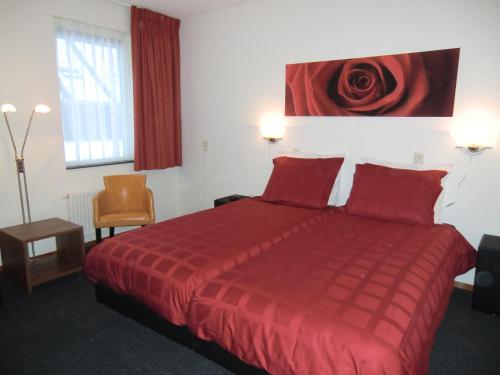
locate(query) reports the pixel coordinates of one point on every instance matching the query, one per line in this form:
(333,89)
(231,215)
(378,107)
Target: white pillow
(335,194)
(438,207)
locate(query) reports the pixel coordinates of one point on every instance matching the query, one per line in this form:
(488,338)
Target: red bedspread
(349,296)
(162,264)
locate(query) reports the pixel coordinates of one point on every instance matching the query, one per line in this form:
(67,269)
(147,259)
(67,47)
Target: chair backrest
(126,192)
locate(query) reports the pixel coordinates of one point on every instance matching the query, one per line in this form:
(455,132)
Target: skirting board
(464,286)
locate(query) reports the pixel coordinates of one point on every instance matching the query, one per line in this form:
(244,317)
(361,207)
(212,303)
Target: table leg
(15,261)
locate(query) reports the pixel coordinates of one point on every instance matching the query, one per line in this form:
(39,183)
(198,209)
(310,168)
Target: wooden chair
(125,201)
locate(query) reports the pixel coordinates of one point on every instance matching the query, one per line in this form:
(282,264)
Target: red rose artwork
(409,84)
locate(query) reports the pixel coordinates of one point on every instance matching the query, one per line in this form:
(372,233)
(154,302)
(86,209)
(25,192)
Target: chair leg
(112,231)
(98,237)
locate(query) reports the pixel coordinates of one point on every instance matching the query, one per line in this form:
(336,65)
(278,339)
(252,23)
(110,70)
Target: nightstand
(486,295)
(28,273)
(230,198)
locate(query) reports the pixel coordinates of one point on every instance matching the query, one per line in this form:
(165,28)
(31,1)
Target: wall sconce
(272,127)
(19,158)
(475,132)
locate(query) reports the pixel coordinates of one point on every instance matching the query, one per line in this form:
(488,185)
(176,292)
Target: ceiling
(182,8)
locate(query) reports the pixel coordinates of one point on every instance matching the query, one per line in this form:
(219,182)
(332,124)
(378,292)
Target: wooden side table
(27,274)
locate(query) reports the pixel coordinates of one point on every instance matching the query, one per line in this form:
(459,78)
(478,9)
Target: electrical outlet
(205,146)
(418,158)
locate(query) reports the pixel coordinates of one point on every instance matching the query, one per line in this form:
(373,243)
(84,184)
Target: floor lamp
(21,170)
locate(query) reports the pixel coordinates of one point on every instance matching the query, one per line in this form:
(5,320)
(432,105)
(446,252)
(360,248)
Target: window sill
(103,164)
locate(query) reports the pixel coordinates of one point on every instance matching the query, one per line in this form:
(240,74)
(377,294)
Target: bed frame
(135,310)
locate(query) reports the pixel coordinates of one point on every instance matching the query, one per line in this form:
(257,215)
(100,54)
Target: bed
(162,264)
(285,284)
(351,295)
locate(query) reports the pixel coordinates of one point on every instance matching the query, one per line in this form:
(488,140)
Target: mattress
(161,264)
(348,296)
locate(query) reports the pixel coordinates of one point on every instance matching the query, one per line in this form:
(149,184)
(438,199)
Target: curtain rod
(123,4)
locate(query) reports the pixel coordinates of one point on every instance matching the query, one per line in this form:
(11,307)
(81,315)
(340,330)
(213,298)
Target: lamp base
(473,149)
(272,139)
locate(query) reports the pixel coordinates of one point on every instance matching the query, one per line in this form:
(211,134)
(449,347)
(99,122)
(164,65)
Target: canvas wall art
(409,84)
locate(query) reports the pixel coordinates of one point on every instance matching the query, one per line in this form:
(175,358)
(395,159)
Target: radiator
(79,210)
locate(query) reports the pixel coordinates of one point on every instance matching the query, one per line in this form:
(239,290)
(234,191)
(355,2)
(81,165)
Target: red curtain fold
(157,97)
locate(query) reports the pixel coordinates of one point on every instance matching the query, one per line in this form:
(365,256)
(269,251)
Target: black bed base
(135,310)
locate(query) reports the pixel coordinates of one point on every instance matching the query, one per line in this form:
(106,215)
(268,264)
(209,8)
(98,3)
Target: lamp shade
(42,108)
(272,126)
(8,108)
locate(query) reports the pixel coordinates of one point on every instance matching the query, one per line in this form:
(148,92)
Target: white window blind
(95,86)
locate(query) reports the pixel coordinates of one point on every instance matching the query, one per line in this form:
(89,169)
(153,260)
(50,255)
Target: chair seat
(124,219)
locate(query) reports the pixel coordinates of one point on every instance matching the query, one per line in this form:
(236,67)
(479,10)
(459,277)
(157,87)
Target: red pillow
(402,195)
(302,182)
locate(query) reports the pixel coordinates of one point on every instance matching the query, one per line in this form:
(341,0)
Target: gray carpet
(60,329)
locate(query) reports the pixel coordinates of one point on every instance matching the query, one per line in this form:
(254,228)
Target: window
(95,90)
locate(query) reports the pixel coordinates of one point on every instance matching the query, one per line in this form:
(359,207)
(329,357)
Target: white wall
(28,76)
(233,70)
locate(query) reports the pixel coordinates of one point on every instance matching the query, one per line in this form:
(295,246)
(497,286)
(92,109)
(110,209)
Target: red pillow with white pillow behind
(334,198)
(439,205)
(395,194)
(302,182)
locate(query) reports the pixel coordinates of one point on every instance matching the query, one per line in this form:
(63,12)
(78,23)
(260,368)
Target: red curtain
(157,97)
